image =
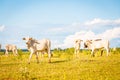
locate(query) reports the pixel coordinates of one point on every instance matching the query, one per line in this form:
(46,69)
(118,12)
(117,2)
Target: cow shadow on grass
(60,61)
(8,64)
(87,60)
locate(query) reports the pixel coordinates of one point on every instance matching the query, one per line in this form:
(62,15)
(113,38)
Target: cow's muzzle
(27,43)
(85,46)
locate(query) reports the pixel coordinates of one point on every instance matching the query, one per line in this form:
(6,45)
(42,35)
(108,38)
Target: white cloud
(60,35)
(69,40)
(2,27)
(94,29)
(55,44)
(84,35)
(95,24)
(98,21)
(111,34)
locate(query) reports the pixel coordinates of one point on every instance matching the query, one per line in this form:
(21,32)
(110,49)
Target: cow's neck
(32,45)
(89,46)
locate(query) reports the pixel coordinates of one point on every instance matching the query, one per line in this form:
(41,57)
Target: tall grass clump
(115,50)
(64,53)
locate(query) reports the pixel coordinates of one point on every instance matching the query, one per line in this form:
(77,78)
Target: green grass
(64,66)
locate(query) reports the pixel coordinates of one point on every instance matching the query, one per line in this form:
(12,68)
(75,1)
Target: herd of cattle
(44,46)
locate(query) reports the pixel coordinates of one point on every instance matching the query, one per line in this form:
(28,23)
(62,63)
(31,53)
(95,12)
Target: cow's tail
(108,46)
(49,48)
(48,44)
(108,52)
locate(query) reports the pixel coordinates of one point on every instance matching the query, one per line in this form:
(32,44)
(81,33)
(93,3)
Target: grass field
(64,66)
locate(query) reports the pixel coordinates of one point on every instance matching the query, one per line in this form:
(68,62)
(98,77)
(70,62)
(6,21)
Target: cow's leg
(6,52)
(13,51)
(16,52)
(77,53)
(42,54)
(49,56)
(107,49)
(92,53)
(37,57)
(101,52)
(30,58)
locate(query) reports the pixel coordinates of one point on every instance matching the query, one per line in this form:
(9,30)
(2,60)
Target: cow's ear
(81,40)
(90,41)
(76,41)
(24,39)
(30,38)
(37,42)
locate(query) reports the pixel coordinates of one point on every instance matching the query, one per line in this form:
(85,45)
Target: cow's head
(78,41)
(27,40)
(87,43)
(30,41)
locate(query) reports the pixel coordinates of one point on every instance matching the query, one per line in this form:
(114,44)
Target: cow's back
(0,46)
(43,44)
(10,47)
(100,44)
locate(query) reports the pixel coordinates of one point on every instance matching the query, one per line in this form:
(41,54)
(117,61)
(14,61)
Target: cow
(97,44)
(36,46)
(77,47)
(0,47)
(11,47)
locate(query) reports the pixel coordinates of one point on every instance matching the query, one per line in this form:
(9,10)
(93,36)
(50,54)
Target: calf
(77,47)
(35,46)
(11,47)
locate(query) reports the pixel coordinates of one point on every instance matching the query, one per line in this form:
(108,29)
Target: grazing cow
(35,46)
(0,47)
(97,44)
(11,47)
(77,47)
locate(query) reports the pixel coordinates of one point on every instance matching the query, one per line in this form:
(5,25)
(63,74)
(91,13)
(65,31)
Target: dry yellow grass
(64,67)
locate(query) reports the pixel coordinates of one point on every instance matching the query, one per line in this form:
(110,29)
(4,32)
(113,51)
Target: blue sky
(61,21)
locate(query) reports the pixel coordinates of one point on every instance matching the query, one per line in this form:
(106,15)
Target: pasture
(64,66)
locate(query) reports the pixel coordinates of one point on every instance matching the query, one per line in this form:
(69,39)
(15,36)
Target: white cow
(0,47)
(11,47)
(35,46)
(97,44)
(77,47)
